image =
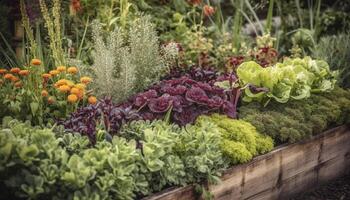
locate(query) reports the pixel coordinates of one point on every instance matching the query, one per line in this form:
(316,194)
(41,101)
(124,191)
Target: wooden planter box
(287,170)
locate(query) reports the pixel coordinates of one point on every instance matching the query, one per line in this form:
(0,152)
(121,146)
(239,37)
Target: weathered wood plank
(285,171)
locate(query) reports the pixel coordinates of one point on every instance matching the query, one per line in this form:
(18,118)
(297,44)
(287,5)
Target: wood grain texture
(287,170)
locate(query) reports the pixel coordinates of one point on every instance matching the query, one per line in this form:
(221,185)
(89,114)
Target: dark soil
(336,190)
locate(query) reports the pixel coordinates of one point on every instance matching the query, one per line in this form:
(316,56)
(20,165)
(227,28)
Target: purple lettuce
(105,113)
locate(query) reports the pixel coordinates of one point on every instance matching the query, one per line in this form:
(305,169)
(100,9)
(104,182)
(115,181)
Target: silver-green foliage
(336,51)
(126,61)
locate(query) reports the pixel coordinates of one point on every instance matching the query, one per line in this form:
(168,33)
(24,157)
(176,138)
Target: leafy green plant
(176,156)
(240,139)
(293,78)
(37,164)
(336,50)
(299,119)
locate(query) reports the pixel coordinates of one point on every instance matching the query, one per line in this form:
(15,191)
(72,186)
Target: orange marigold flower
(8,76)
(51,100)
(92,100)
(35,61)
(80,86)
(15,70)
(44,93)
(75,91)
(61,68)
(70,83)
(64,88)
(85,80)
(18,84)
(208,10)
(61,82)
(14,79)
(72,70)
(3,71)
(72,98)
(46,76)
(54,72)
(24,72)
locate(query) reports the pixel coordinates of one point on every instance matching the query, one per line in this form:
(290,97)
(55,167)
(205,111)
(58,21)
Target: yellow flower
(64,88)
(61,82)
(92,100)
(35,61)
(75,91)
(24,72)
(72,98)
(80,86)
(15,70)
(86,80)
(44,93)
(61,68)
(70,83)
(54,72)
(72,70)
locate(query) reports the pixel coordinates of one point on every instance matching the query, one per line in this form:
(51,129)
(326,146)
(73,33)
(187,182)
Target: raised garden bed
(282,173)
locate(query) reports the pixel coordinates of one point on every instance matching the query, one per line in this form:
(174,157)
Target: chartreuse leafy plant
(174,155)
(240,140)
(37,164)
(299,119)
(50,164)
(292,79)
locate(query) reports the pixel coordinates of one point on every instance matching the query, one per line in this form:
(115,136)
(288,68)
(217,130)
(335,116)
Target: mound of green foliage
(299,119)
(38,163)
(294,78)
(179,155)
(240,140)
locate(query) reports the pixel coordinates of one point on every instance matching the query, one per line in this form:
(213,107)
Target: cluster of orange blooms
(13,76)
(75,92)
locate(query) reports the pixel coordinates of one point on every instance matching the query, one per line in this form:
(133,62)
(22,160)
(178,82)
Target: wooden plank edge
(188,191)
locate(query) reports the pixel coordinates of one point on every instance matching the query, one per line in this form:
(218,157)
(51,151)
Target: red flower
(208,10)
(75,5)
(195,2)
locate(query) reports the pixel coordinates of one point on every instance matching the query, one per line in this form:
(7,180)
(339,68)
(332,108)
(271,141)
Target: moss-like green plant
(235,151)
(240,139)
(297,120)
